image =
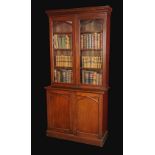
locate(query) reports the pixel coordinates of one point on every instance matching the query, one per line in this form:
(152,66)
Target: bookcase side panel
(107,50)
(51,49)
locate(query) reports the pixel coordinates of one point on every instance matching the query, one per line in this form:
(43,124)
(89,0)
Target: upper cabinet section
(79,46)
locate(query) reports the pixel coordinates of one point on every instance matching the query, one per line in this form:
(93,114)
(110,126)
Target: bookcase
(77,98)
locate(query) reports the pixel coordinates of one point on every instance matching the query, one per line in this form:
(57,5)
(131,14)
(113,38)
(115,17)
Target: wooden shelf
(91,49)
(56,67)
(61,33)
(91,32)
(63,82)
(62,49)
(92,69)
(85,84)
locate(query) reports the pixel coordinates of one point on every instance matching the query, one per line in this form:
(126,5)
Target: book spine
(86,61)
(97,62)
(82,61)
(59,41)
(55,75)
(59,60)
(82,41)
(98,40)
(91,77)
(58,63)
(71,76)
(91,62)
(63,42)
(97,78)
(54,41)
(64,61)
(95,41)
(100,79)
(86,77)
(101,40)
(100,66)
(70,41)
(67,41)
(67,61)
(71,61)
(89,40)
(88,65)
(83,76)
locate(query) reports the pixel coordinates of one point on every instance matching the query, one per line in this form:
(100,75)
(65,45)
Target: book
(91,41)
(63,59)
(63,75)
(81,41)
(62,41)
(91,77)
(98,40)
(91,61)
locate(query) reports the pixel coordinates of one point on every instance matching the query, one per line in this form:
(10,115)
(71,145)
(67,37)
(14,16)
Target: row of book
(91,41)
(63,75)
(63,60)
(62,41)
(91,62)
(91,77)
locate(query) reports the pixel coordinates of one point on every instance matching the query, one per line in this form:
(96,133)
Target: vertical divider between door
(74,113)
(77,48)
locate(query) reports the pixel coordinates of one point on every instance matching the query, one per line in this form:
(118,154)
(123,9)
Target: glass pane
(91,44)
(62,47)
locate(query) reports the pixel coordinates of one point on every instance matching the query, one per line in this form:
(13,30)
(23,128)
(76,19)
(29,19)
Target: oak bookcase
(77,99)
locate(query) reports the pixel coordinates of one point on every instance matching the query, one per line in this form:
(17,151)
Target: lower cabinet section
(77,116)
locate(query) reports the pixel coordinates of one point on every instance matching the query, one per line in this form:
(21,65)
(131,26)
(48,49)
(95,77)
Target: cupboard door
(59,111)
(87,114)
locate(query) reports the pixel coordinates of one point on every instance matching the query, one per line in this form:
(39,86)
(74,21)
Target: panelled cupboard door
(87,114)
(62,42)
(59,111)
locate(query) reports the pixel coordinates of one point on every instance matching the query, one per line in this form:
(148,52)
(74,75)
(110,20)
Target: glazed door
(87,114)
(59,111)
(92,49)
(62,49)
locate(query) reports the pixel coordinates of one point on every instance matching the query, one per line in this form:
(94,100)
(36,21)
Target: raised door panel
(59,111)
(87,114)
